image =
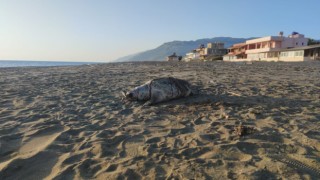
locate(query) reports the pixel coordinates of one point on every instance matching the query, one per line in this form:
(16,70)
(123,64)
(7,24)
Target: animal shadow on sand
(236,101)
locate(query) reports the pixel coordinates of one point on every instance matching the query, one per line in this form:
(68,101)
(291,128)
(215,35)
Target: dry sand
(71,123)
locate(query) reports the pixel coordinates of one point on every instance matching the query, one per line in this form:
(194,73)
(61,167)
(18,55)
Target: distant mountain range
(179,47)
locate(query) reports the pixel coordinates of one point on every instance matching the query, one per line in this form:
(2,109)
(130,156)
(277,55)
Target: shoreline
(11,63)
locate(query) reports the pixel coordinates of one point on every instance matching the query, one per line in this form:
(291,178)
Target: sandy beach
(71,122)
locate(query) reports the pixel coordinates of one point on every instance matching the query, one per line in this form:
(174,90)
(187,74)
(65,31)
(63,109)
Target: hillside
(180,47)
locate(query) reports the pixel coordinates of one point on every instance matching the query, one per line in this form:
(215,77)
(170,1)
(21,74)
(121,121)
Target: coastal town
(293,48)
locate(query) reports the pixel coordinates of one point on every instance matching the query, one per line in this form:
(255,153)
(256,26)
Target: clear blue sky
(102,30)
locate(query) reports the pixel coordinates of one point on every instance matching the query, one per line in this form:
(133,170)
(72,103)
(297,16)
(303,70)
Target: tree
(312,42)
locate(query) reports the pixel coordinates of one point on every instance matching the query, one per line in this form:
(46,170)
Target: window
(287,54)
(291,54)
(298,53)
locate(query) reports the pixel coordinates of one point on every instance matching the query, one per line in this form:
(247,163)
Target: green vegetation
(312,42)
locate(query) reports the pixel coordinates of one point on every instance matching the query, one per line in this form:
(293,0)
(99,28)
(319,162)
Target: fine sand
(71,122)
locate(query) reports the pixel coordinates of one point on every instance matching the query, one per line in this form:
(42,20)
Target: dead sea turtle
(160,90)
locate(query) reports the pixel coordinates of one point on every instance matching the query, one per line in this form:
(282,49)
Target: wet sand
(71,122)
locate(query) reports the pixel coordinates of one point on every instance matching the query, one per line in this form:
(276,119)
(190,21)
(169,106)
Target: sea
(7,63)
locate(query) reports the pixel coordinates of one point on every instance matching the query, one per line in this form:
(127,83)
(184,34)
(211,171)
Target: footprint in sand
(32,146)
(32,151)
(36,145)
(237,156)
(134,146)
(227,153)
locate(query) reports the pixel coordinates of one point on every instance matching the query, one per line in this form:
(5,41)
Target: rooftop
(268,38)
(302,48)
(237,45)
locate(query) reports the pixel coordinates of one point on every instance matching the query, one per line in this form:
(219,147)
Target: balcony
(252,51)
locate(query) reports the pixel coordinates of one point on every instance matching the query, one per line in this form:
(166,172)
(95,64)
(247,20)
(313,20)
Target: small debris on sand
(242,130)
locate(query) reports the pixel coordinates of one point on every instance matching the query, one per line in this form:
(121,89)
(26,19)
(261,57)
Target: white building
(267,48)
(203,53)
(305,53)
(194,55)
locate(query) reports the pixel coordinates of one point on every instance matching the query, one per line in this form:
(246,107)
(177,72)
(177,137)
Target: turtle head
(129,95)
